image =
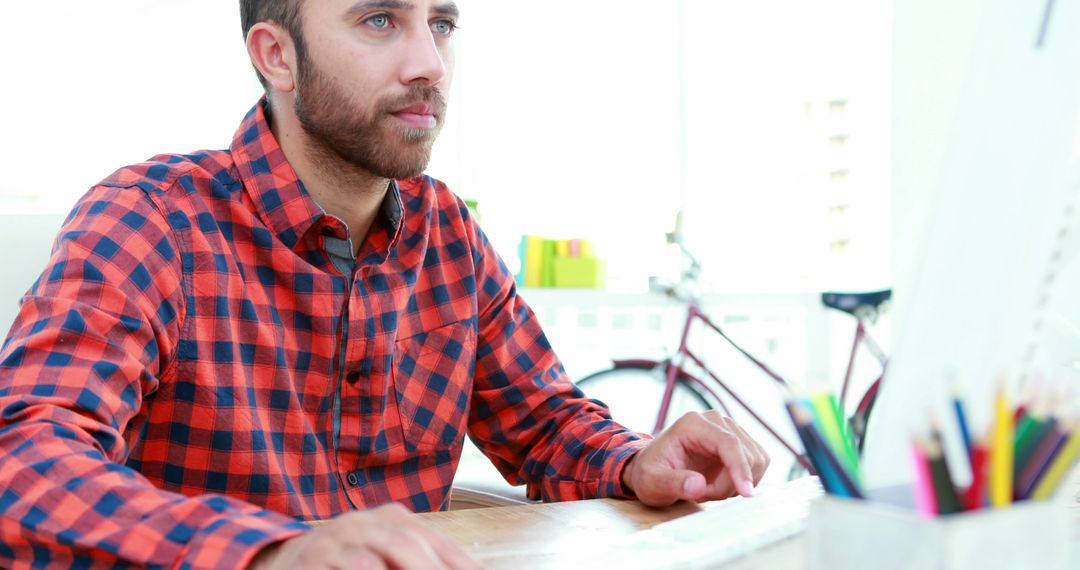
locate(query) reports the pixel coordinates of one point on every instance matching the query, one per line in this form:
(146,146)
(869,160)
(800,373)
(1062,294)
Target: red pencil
(976,493)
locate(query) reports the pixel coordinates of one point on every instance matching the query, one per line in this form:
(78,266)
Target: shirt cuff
(600,476)
(614,473)
(234,541)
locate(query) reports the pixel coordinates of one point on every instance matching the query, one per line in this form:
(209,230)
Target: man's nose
(423,60)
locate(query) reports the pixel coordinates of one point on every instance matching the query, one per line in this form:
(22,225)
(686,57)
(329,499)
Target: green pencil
(832,429)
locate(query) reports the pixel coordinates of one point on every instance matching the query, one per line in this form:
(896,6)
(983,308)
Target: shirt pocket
(432,377)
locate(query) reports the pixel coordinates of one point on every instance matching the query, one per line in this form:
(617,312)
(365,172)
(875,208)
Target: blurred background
(769,125)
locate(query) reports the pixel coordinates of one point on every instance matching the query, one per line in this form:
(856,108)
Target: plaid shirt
(197,371)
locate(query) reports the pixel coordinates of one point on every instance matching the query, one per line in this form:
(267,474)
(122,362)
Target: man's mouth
(418,115)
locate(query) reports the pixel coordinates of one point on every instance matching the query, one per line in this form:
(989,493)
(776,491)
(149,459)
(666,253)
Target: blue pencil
(834,478)
(845,486)
(961,419)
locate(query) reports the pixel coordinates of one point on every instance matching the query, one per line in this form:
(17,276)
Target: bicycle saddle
(857,304)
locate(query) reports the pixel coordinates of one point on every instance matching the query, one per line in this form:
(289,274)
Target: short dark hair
(285,13)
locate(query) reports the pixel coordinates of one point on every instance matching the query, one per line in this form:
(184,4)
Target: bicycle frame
(674,368)
(859,417)
(861,336)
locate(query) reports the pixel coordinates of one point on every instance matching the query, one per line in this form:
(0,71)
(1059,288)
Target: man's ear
(273,53)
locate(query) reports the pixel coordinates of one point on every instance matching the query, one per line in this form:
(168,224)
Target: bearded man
(228,345)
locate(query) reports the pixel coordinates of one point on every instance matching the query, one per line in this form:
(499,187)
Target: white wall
(92,86)
(757,160)
(32,236)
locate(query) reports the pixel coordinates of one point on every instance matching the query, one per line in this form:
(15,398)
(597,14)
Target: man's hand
(380,538)
(701,457)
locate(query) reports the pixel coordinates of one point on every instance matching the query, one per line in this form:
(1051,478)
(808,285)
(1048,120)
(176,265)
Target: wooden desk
(549,535)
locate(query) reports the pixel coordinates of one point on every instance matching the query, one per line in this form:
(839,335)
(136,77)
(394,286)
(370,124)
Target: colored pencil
(961,421)
(827,463)
(976,492)
(1023,404)
(1039,463)
(1035,427)
(847,484)
(925,499)
(1001,456)
(1059,467)
(793,403)
(829,476)
(830,421)
(1024,424)
(944,490)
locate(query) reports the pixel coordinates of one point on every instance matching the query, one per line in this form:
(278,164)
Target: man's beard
(363,133)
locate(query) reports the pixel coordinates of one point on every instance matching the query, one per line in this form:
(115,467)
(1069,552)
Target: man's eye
(444,27)
(379,21)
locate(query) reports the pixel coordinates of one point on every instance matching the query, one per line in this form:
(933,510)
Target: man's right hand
(381,538)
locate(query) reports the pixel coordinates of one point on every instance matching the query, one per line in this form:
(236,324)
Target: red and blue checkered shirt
(199,369)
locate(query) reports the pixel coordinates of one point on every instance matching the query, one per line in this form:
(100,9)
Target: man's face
(371,80)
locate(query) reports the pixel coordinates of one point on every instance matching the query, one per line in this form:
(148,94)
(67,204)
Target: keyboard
(725,531)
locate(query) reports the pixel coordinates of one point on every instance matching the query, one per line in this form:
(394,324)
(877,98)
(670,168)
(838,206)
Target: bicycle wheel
(634,392)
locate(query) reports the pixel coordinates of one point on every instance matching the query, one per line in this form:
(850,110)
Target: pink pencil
(925,500)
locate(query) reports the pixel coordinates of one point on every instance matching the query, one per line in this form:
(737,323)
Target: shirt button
(352,479)
(353,377)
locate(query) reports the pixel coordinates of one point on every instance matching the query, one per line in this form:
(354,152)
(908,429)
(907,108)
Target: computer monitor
(995,291)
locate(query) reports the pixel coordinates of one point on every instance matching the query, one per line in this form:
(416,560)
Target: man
(228,343)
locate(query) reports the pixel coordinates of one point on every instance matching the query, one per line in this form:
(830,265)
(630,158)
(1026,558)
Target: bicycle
(684,392)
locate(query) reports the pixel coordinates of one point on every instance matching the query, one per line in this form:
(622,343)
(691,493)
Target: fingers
(453,555)
(449,552)
(658,485)
(756,455)
(725,440)
(700,457)
(403,548)
(721,487)
(440,547)
(686,485)
(377,539)
(759,459)
(352,558)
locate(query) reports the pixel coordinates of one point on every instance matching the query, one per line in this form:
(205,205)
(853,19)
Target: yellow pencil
(1059,468)
(1001,459)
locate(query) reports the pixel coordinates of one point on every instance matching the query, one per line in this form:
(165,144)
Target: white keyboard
(725,531)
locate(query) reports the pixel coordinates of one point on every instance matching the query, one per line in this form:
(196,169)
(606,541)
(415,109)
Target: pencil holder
(846,534)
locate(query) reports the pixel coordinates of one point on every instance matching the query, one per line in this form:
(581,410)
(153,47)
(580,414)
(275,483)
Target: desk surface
(554,535)
(549,535)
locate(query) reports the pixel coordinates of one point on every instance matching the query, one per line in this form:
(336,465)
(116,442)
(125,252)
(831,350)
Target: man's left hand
(701,457)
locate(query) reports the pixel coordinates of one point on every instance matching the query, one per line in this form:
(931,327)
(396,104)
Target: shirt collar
(377,248)
(280,198)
